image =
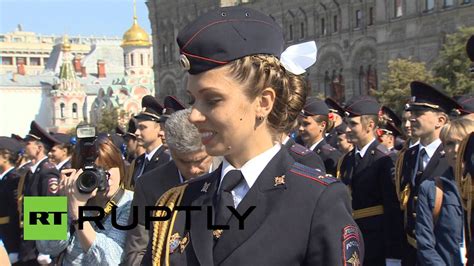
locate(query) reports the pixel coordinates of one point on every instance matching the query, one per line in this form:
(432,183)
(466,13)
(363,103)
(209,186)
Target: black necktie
(421,156)
(358,158)
(229,182)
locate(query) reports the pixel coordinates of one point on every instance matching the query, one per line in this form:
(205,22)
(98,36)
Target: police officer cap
(390,128)
(467,104)
(389,115)
(10,144)
(334,107)
(17,137)
(470,48)
(61,138)
(132,128)
(315,106)
(362,105)
(226,34)
(151,109)
(172,105)
(39,134)
(426,97)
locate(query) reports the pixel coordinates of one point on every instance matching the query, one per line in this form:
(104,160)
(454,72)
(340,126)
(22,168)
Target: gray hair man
(189,160)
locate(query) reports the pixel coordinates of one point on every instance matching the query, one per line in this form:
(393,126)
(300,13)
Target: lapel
(154,159)
(138,165)
(409,164)
(264,195)
(433,163)
(368,158)
(201,237)
(318,147)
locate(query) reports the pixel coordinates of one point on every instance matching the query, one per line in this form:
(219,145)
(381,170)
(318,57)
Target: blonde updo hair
(460,127)
(257,72)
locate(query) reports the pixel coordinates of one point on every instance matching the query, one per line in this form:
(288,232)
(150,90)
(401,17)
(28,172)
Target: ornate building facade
(73,87)
(355,38)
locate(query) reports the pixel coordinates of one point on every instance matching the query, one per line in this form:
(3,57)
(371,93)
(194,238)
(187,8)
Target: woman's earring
(260,118)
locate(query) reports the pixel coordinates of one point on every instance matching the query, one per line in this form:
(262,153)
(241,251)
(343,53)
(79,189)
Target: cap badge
(279,180)
(413,98)
(184,62)
(205,187)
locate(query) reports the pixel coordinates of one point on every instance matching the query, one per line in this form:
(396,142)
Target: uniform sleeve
(107,248)
(137,238)
(424,226)
(49,178)
(392,217)
(335,238)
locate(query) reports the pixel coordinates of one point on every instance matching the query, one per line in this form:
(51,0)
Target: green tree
(395,87)
(108,120)
(451,67)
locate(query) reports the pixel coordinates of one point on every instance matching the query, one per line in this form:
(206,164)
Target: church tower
(137,49)
(68,95)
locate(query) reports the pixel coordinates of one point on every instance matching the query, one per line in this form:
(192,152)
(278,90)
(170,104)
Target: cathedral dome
(136,36)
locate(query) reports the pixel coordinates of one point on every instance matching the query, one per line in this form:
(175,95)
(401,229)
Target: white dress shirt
(250,170)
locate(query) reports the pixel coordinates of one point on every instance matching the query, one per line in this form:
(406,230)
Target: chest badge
(205,187)
(279,180)
(174,242)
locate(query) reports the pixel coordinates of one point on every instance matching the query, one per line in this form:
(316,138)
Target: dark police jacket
(43,182)
(374,200)
(439,241)
(437,166)
(301,217)
(148,190)
(160,157)
(9,223)
(329,155)
(303,155)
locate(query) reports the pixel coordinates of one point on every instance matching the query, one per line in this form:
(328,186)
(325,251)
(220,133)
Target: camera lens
(87,181)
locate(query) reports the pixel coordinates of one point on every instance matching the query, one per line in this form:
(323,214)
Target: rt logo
(45,218)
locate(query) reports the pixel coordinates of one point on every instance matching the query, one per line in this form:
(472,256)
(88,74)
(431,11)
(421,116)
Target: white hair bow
(298,57)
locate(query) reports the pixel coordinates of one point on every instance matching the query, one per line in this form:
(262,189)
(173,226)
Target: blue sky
(74,17)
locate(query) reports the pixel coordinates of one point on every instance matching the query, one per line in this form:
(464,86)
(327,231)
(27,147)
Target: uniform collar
(6,172)
(413,144)
(430,148)
(150,155)
(33,168)
(315,144)
(287,138)
(364,149)
(61,164)
(254,167)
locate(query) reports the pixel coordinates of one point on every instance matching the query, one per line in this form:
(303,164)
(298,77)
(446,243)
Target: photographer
(92,246)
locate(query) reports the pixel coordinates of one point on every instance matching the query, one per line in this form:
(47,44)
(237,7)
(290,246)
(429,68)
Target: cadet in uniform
(41,180)
(439,215)
(60,154)
(9,220)
(429,108)
(190,160)
(389,131)
(148,135)
(312,128)
(336,113)
(242,97)
(367,171)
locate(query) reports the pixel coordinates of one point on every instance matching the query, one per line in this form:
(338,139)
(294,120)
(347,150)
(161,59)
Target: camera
(92,176)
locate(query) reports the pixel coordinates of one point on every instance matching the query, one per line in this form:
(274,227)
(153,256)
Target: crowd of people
(275,176)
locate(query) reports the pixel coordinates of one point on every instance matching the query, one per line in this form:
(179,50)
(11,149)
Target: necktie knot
(231,180)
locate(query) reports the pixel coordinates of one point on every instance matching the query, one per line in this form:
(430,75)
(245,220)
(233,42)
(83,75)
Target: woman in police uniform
(242,99)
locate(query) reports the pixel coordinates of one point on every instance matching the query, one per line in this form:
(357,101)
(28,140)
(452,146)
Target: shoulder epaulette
(49,165)
(381,148)
(328,147)
(299,149)
(312,173)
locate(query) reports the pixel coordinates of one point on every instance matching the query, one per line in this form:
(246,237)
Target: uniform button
(414,215)
(413,232)
(415,198)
